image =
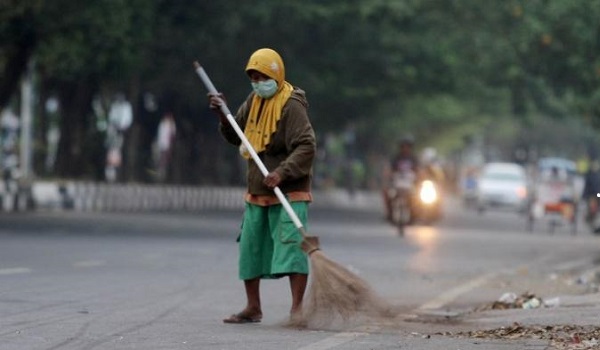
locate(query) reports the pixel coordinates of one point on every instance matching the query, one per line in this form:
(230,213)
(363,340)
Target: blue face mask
(265,88)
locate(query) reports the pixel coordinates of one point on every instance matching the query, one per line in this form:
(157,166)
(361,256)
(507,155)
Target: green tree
(438,69)
(94,48)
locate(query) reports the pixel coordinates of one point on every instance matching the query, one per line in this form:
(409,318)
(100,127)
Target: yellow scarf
(260,128)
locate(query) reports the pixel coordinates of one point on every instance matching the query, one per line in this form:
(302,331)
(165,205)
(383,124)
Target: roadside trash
(424,336)
(565,337)
(512,301)
(582,280)
(532,303)
(508,298)
(553,302)
(590,280)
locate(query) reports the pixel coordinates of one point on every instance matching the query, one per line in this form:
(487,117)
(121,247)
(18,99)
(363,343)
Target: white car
(502,185)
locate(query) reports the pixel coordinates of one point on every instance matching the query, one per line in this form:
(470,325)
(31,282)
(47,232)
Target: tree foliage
(432,68)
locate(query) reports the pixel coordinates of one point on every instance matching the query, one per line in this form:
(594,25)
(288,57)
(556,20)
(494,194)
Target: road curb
(103,197)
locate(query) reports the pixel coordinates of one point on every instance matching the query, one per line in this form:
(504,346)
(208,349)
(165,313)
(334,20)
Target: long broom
(335,292)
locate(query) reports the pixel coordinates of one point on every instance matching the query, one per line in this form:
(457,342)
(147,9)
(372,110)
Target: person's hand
(272,180)
(216,101)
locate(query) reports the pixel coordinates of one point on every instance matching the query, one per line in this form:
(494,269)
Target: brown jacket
(290,152)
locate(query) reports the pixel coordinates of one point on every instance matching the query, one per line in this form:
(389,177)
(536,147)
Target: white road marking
(90,263)
(452,294)
(573,265)
(14,270)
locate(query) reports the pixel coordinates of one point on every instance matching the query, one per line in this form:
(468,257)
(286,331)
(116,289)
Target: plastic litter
(508,298)
(512,301)
(552,302)
(532,303)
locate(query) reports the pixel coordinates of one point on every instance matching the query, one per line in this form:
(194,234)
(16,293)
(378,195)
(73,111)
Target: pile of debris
(560,336)
(526,300)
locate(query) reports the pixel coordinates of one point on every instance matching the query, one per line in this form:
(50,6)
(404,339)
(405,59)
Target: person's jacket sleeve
(300,142)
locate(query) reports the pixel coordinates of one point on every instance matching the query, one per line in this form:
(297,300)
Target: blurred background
(104,90)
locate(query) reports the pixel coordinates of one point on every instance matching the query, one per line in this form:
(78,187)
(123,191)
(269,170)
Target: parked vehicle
(555,194)
(502,186)
(564,165)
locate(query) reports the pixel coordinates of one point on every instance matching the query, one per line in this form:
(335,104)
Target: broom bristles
(338,294)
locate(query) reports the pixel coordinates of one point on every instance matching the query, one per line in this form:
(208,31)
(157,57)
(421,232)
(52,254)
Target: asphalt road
(158,281)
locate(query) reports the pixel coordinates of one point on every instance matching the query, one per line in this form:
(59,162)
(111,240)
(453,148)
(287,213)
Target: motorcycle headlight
(428,193)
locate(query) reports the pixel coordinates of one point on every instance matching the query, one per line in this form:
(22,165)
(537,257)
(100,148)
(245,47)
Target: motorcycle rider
(430,167)
(591,190)
(402,162)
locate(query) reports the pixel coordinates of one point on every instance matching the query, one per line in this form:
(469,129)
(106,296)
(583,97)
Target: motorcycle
(414,201)
(401,194)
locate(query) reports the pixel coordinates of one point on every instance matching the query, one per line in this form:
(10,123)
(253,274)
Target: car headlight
(521,192)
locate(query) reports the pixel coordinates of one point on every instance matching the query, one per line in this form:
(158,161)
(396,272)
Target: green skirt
(270,243)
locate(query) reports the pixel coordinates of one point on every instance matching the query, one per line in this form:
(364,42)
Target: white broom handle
(263,169)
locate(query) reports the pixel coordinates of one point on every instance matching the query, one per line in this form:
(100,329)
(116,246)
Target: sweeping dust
(337,297)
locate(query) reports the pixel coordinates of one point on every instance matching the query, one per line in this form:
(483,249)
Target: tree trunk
(17,56)
(518,98)
(76,100)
